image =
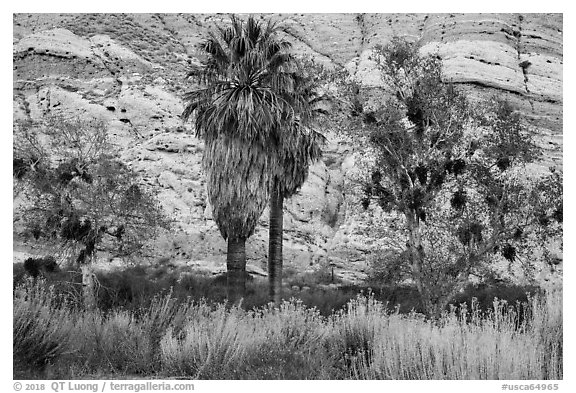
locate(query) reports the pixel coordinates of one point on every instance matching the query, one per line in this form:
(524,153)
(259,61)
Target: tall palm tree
(298,146)
(238,106)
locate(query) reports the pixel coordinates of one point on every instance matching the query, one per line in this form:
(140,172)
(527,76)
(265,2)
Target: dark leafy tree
(75,192)
(456,175)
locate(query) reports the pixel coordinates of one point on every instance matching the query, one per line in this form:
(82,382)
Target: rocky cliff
(129,69)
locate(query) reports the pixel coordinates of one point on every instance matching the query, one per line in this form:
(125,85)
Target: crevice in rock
(32,52)
(21,98)
(484,85)
(118,89)
(522,64)
(47,110)
(328,181)
(173,33)
(293,34)
(421,30)
(360,19)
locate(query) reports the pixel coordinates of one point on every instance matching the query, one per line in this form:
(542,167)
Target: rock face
(129,69)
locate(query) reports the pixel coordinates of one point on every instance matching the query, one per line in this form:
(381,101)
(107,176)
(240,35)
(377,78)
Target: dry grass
(366,341)
(505,343)
(41,330)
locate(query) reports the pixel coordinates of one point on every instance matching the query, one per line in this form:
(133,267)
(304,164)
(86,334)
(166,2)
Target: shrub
(209,346)
(114,343)
(485,293)
(38,266)
(288,342)
(176,338)
(41,331)
(355,329)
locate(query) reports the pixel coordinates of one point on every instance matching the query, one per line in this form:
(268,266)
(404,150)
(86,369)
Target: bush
(135,287)
(38,266)
(41,331)
(115,343)
(485,293)
(195,340)
(209,346)
(311,279)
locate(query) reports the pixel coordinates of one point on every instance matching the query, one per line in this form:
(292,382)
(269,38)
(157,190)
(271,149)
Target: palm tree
(296,149)
(238,106)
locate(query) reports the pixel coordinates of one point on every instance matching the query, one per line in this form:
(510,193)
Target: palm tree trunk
(275,246)
(236,266)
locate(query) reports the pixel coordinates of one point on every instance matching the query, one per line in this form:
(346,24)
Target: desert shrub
(326,301)
(407,299)
(485,293)
(292,325)
(546,324)
(525,64)
(19,274)
(64,284)
(125,341)
(40,266)
(270,361)
(41,330)
(208,346)
(172,337)
(125,344)
(323,275)
(135,287)
(404,298)
(355,329)
(464,344)
(129,289)
(115,343)
(288,342)
(165,312)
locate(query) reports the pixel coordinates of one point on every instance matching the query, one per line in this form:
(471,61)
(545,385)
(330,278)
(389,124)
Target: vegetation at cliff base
(195,340)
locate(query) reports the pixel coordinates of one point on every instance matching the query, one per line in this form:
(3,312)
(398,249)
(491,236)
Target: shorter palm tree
(298,147)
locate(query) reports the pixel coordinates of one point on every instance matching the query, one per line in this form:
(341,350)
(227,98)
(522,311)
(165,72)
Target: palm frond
(238,177)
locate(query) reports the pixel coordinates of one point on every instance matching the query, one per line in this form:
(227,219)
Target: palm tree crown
(245,79)
(298,144)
